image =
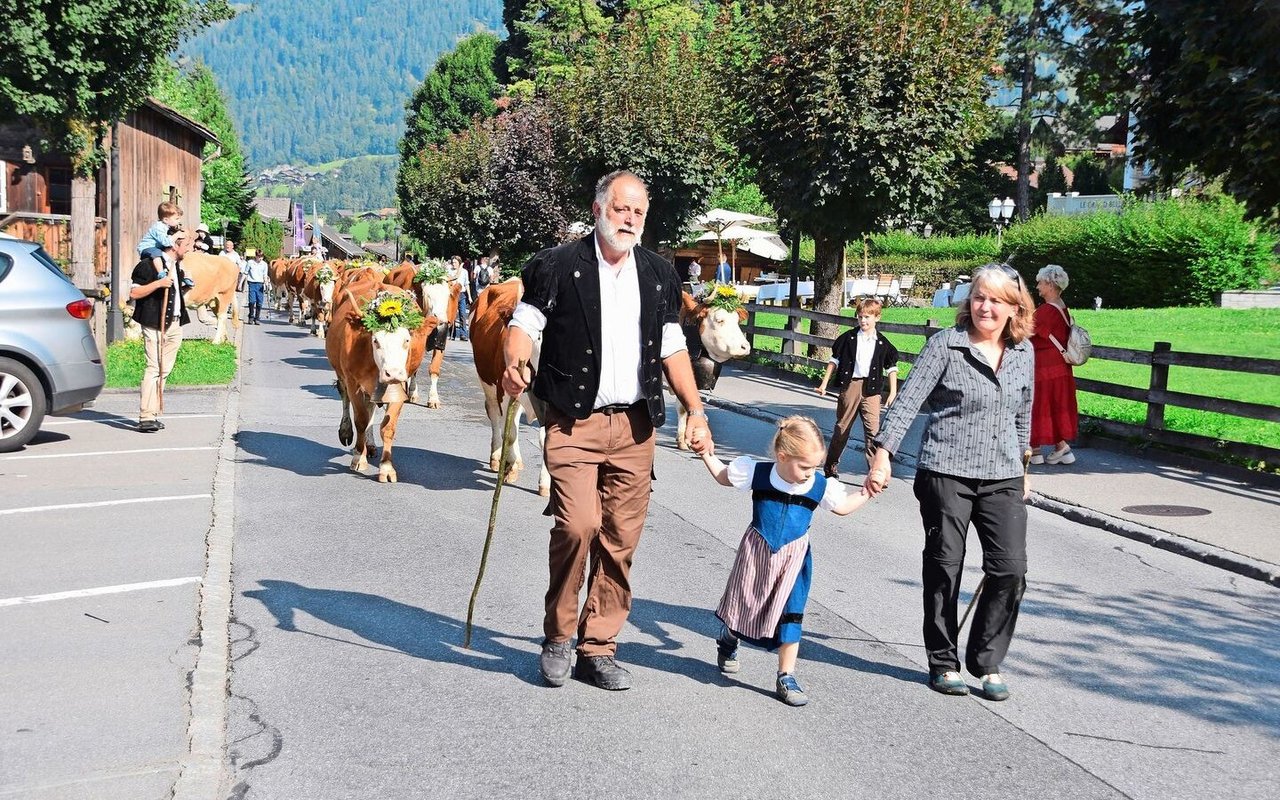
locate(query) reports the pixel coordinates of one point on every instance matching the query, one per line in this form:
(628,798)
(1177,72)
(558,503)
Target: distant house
(385,250)
(339,246)
(161,154)
(279,209)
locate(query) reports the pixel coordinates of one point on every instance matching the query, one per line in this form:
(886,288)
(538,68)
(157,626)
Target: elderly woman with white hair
(1054,416)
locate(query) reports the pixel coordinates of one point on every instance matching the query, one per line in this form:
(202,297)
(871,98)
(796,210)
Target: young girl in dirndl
(768,587)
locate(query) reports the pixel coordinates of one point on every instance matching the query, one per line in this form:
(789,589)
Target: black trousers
(948,505)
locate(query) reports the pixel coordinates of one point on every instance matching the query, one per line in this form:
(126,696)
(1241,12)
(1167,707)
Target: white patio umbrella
(767,244)
(717,220)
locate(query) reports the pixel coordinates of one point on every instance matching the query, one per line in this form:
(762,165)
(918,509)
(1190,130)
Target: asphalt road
(1135,672)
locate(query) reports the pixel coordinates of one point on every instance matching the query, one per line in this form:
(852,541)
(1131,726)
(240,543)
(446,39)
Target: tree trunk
(83,224)
(828,292)
(1023,190)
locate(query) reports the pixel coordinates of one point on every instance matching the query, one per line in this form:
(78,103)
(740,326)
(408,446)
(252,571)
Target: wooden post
(751,324)
(1159,383)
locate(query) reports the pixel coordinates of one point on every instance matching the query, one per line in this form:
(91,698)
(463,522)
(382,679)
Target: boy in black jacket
(861,359)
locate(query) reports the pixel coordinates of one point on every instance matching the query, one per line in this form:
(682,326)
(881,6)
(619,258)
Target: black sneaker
(554,662)
(727,651)
(603,671)
(789,691)
(160,424)
(148,426)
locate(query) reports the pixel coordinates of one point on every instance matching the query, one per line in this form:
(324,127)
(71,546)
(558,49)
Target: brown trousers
(852,404)
(601,477)
(161,352)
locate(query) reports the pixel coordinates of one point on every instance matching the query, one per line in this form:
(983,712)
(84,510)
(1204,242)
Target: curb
(204,774)
(1208,554)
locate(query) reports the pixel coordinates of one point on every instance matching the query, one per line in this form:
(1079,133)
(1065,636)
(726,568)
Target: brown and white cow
(439,300)
(318,285)
(488,326)
(373,368)
(713,336)
(295,284)
(215,281)
(276,272)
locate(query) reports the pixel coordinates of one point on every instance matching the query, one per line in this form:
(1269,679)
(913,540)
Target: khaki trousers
(601,477)
(160,357)
(849,405)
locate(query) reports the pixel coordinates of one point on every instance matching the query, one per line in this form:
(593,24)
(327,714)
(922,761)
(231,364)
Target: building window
(59,190)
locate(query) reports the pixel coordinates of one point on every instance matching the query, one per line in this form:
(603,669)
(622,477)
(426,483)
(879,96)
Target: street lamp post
(1001,213)
(397,233)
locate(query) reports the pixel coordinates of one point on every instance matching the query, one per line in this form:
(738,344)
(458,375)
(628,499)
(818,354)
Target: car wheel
(22,405)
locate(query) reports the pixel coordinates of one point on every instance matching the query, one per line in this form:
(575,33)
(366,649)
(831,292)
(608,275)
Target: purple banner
(299,233)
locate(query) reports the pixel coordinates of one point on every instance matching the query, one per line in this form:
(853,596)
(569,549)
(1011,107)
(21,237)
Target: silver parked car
(49,362)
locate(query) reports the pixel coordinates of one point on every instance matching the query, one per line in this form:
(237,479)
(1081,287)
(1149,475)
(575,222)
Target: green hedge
(1152,255)
(973,249)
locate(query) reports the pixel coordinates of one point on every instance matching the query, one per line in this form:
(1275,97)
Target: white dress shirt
(619,331)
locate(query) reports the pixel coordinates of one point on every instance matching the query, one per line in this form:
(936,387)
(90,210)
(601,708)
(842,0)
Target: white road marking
(56,422)
(107,453)
(100,503)
(124,587)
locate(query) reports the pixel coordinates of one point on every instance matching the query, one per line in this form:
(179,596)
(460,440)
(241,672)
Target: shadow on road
(294,454)
(397,626)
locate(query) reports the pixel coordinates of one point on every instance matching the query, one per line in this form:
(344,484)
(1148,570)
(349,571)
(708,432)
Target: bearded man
(607,313)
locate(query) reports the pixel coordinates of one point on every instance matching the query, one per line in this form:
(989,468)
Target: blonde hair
(871,305)
(797,435)
(1002,282)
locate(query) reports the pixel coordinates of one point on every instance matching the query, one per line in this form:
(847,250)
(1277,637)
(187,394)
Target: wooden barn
(156,156)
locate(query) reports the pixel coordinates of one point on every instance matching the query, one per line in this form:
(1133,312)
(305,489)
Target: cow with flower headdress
(375,342)
(318,286)
(438,297)
(712,327)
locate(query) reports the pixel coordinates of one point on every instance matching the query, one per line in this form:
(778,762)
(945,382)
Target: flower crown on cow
(324,275)
(390,309)
(724,296)
(431,272)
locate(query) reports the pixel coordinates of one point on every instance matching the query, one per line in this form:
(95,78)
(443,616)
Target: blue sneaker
(789,691)
(727,651)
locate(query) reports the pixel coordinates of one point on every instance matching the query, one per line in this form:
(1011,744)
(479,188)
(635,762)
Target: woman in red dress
(1054,416)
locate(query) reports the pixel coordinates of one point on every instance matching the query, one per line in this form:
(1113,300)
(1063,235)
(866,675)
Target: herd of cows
(376,359)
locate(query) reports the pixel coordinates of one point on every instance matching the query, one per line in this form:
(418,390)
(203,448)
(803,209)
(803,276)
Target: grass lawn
(199,363)
(1253,332)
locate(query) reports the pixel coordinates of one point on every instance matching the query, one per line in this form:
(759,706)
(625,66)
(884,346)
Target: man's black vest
(146,310)
(564,284)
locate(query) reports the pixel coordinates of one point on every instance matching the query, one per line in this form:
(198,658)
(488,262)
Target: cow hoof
(544,491)
(493,464)
(413,398)
(387,475)
(513,475)
(682,445)
(433,404)
(359,463)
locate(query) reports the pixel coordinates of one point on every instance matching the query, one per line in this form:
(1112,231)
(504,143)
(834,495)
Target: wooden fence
(53,232)
(1156,396)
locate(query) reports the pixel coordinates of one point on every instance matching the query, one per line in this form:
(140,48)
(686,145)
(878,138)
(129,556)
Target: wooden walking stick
(164,319)
(972,601)
(504,461)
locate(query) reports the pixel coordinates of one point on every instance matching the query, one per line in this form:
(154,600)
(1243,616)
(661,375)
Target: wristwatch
(698,412)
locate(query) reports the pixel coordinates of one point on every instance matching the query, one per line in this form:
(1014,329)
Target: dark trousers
(999,514)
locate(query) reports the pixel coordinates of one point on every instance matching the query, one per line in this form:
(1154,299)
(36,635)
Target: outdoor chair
(884,285)
(905,284)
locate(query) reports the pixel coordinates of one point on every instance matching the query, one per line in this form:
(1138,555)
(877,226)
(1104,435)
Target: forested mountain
(310,82)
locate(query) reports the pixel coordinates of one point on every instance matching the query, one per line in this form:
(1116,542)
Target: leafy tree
(76,67)
(1090,176)
(461,86)
(962,208)
(265,236)
(856,109)
(546,35)
(1203,81)
(446,197)
(531,197)
(643,102)
(193,92)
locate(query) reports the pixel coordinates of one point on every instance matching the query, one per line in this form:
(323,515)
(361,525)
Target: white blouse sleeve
(740,472)
(834,494)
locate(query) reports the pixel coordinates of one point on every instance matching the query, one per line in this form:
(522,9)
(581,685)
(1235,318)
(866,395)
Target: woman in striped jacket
(768,588)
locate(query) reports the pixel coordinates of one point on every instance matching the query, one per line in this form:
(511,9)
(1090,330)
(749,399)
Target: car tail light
(80,309)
